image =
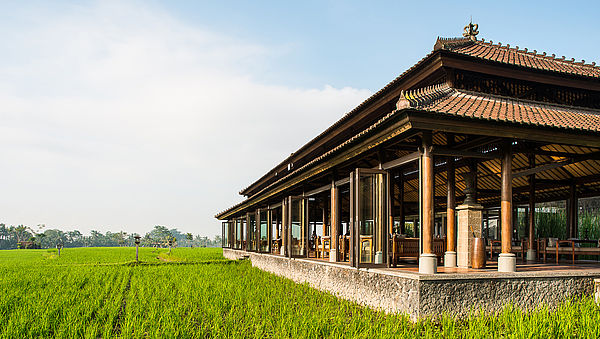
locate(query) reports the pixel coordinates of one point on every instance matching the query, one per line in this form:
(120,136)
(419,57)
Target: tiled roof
(518,57)
(347,116)
(447,100)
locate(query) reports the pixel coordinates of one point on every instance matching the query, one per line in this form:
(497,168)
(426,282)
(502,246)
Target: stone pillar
(469,221)
(427,259)
(450,255)
(507,261)
(335,222)
(469,227)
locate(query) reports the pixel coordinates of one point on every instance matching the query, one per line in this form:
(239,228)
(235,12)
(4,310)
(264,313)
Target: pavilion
(443,154)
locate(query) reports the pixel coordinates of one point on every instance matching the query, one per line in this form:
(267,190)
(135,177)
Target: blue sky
(366,43)
(121,115)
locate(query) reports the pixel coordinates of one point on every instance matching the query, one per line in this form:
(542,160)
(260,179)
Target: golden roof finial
(471,31)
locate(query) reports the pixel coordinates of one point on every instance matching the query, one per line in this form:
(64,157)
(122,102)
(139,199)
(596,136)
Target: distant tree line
(13,237)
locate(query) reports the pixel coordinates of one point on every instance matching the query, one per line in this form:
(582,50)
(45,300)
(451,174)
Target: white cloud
(121,117)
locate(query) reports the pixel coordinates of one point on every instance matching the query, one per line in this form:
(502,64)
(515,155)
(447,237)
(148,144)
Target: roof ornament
(471,31)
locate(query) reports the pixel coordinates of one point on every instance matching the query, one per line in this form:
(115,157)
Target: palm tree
(190,237)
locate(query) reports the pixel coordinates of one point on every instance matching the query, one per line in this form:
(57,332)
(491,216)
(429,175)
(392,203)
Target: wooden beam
(553,165)
(401,161)
(476,142)
(464,154)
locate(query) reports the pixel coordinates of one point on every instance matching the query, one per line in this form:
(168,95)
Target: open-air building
(448,153)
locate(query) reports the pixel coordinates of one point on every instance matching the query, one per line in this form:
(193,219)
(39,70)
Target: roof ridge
(543,55)
(423,96)
(449,43)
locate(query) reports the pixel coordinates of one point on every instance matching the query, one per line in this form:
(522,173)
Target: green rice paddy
(196,293)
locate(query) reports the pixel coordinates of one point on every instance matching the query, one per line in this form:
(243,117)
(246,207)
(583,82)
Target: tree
(190,237)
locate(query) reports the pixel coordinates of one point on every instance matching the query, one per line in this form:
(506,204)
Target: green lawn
(100,292)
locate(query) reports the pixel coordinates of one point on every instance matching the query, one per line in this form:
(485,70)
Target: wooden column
(277,221)
(451,207)
(284,228)
(506,207)
(335,222)
(507,260)
(269,230)
(427,260)
(531,208)
(427,195)
(247,235)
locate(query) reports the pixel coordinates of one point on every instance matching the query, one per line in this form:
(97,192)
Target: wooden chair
(324,247)
(568,247)
(519,247)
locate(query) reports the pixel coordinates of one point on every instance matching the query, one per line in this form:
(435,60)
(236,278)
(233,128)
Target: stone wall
(418,295)
(459,297)
(388,293)
(232,254)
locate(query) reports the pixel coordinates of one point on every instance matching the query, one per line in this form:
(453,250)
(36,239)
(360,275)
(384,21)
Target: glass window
(297,227)
(264,231)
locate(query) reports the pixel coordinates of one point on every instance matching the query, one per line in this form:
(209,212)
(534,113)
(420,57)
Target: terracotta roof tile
(515,56)
(444,99)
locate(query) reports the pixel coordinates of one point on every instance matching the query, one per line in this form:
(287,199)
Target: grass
(196,293)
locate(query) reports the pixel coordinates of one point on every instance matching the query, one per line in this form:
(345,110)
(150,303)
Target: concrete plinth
(332,255)
(507,262)
(428,263)
(450,259)
(531,255)
(282,251)
(379,257)
(469,226)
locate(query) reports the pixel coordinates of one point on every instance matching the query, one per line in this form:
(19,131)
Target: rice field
(196,293)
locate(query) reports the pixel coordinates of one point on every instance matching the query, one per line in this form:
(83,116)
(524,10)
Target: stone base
(282,251)
(428,263)
(507,262)
(450,259)
(379,257)
(332,255)
(531,255)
